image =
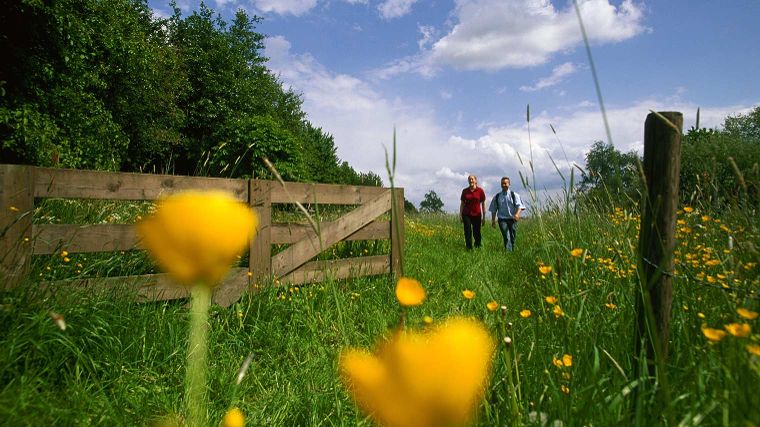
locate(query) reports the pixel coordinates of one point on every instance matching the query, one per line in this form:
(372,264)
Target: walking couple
(505,207)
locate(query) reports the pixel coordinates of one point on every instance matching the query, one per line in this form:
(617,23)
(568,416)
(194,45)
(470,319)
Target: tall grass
(120,363)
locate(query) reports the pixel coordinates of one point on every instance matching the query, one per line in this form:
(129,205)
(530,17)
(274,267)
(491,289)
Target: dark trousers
(508,229)
(472,229)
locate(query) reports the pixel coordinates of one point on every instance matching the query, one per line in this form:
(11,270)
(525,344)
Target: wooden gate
(21,238)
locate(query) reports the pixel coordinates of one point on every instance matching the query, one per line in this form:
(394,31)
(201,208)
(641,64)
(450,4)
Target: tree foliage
(431,203)
(611,176)
(106,85)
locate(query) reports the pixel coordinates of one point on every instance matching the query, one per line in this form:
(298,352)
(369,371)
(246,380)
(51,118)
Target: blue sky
(455,77)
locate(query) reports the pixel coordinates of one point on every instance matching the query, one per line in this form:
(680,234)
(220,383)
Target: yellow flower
(558,311)
(713,335)
(575,253)
(701,315)
(427,320)
(13,209)
(66,259)
(492,306)
(233,418)
(64,253)
(564,389)
(468,294)
(551,299)
(610,305)
(738,329)
(525,313)
(196,236)
(688,209)
(545,269)
(567,360)
(430,378)
(409,292)
(747,314)
(754,349)
(557,362)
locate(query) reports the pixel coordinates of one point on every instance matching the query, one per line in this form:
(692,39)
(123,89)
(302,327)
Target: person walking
(506,206)
(472,211)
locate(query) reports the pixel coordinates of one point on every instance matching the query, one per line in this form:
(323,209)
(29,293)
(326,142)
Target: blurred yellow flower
(558,311)
(233,418)
(567,360)
(747,314)
(409,292)
(492,306)
(557,362)
(610,305)
(701,315)
(545,269)
(64,253)
(468,294)
(713,335)
(432,378)
(754,349)
(688,209)
(738,329)
(196,236)
(13,209)
(576,252)
(564,389)
(525,313)
(551,299)
(427,320)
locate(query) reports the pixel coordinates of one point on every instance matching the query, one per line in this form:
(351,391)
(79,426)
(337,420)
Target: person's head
(473,181)
(505,183)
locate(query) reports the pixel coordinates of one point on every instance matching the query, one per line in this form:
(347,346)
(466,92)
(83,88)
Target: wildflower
(435,377)
(564,389)
(738,329)
(688,209)
(567,360)
(427,320)
(558,311)
(66,259)
(705,218)
(64,254)
(492,306)
(233,418)
(551,299)
(545,269)
(701,315)
(753,349)
(713,335)
(250,274)
(557,362)
(195,236)
(575,253)
(409,292)
(468,294)
(747,314)
(13,209)
(610,305)
(525,313)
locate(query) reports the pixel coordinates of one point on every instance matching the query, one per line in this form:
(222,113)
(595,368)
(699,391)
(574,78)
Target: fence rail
(20,238)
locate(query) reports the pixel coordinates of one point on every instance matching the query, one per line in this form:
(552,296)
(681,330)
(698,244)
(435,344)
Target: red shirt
(472,201)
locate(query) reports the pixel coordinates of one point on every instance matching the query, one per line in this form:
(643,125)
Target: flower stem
(195,379)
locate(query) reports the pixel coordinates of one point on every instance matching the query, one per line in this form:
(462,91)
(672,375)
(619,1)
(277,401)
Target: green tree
(431,203)
(611,176)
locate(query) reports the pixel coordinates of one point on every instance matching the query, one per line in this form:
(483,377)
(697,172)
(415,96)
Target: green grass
(120,363)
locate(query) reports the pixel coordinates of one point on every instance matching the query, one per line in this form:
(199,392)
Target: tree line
(108,85)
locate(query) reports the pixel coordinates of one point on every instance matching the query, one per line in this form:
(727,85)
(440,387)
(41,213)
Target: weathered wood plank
(346,268)
(85,184)
(16,211)
(50,238)
(323,194)
(147,287)
(290,233)
(261,246)
(298,253)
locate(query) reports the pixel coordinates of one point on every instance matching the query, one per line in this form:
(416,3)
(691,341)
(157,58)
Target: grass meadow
(565,298)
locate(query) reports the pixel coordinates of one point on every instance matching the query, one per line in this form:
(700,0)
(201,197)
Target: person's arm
(461,210)
(519,208)
(492,208)
(483,208)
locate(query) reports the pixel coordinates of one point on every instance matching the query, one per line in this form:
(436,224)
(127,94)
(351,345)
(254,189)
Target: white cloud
(427,32)
(390,9)
(284,7)
(558,75)
(496,34)
(446,94)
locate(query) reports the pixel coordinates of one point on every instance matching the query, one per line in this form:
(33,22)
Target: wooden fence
(21,238)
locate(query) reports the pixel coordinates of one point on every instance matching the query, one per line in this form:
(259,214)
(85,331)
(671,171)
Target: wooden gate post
(16,212)
(260,256)
(662,160)
(397,232)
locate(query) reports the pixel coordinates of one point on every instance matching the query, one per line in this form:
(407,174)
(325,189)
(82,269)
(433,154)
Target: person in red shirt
(472,211)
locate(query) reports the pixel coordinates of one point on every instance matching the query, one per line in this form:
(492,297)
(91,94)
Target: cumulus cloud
(496,34)
(285,7)
(390,9)
(558,75)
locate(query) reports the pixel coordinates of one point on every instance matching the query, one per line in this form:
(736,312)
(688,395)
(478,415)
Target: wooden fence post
(16,212)
(662,159)
(397,233)
(260,257)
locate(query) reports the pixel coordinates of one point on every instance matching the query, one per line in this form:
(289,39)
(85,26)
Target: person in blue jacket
(506,207)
